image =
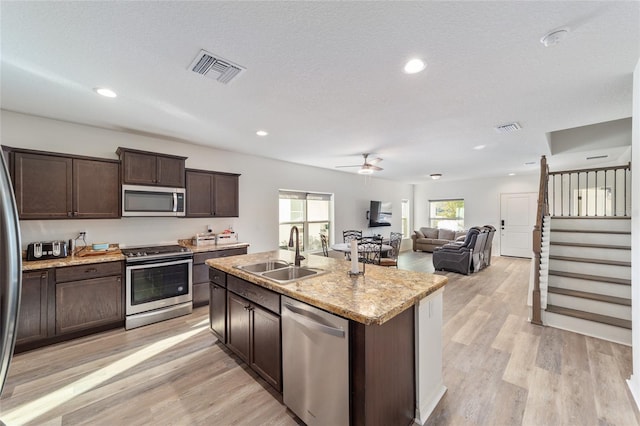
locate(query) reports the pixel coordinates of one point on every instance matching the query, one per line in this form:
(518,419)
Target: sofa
(427,239)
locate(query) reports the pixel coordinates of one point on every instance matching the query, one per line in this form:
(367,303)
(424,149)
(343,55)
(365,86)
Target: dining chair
(348,236)
(369,250)
(395,239)
(325,245)
(351,234)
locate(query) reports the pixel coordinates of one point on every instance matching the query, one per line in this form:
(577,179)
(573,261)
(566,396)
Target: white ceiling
(325,78)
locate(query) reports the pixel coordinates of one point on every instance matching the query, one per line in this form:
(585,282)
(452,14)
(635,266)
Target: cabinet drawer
(254,293)
(93,270)
(218,277)
(201,257)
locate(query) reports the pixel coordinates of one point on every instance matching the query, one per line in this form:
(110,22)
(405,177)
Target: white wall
(260,181)
(481,199)
(634,381)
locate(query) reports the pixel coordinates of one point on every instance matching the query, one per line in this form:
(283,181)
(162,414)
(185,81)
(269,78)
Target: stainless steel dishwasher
(315,364)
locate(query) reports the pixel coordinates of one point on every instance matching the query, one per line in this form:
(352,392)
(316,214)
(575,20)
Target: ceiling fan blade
(375,160)
(353,165)
(372,167)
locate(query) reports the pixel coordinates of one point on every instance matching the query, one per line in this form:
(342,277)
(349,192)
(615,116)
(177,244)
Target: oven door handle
(158,264)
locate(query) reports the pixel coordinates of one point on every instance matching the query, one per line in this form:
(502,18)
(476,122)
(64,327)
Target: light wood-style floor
(499,370)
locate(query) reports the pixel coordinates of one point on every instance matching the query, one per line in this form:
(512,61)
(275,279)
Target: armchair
(457,257)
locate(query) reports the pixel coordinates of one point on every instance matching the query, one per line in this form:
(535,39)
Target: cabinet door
(265,345)
(32,321)
(226,195)
(96,189)
(139,168)
(199,194)
(87,304)
(238,337)
(218,311)
(43,186)
(170,171)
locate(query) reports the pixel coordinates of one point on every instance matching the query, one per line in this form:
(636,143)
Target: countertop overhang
(373,298)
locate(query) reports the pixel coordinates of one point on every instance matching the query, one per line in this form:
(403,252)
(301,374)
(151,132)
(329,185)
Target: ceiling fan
(368,166)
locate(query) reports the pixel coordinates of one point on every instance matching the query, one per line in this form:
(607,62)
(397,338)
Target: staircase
(589,276)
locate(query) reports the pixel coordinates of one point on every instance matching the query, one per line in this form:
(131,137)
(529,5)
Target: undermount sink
(269,265)
(280,271)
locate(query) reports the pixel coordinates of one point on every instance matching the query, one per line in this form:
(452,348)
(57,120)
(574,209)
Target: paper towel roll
(354,257)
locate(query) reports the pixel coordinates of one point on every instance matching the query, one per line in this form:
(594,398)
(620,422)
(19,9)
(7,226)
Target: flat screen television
(379,214)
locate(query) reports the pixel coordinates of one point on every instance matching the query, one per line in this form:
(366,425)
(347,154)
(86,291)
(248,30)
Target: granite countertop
(373,298)
(210,247)
(32,265)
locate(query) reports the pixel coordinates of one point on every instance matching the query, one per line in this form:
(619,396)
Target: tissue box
(228,238)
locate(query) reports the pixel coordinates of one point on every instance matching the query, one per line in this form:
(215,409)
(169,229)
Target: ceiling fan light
(365,171)
(435,176)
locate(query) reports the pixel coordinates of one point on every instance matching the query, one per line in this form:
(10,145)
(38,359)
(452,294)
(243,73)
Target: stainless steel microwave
(138,200)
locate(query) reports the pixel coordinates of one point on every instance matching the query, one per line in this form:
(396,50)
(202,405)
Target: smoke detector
(215,67)
(507,128)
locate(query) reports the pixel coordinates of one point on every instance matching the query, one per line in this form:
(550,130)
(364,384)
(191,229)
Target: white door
(517,219)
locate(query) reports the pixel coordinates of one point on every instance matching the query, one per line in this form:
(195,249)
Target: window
(310,212)
(405,219)
(446,214)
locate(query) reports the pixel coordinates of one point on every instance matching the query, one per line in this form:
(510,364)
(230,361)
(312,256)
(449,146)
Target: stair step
(591,231)
(602,246)
(588,277)
(598,261)
(591,296)
(604,319)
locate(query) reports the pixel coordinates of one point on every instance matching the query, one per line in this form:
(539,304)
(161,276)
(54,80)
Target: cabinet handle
(91,271)
(75,213)
(43,276)
(69,214)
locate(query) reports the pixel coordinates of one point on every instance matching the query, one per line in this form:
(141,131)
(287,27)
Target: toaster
(49,250)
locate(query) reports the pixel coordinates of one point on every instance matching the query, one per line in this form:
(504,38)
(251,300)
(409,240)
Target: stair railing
(598,192)
(542,211)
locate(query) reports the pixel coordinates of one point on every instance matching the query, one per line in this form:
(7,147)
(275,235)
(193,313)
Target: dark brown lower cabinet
(33,318)
(218,311)
(201,289)
(86,304)
(253,333)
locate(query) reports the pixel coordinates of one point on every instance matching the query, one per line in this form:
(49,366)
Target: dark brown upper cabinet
(59,186)
(212,194)
(150,168)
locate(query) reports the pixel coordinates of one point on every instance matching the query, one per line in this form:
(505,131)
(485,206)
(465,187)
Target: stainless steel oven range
(158,284)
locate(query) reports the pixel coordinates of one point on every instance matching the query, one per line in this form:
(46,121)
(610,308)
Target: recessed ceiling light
(554,37)
(479,147)
(107,93)
(414,66)
(512,174)
(262,133)
(435,176)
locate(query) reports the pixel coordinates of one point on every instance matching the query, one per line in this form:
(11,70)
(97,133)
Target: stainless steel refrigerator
(10,271)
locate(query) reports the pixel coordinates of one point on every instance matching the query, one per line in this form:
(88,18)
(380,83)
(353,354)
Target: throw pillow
(430,232)
(446,234)
(419,234)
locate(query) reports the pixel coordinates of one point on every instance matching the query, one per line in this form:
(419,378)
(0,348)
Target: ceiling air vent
(213,66)
(506,128)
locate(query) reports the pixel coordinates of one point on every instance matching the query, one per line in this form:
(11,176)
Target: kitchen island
(395,329)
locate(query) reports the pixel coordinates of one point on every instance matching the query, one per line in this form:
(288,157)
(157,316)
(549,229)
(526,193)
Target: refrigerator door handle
(10,270)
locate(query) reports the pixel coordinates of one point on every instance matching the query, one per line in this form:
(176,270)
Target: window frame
(306,196)
(460,219)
